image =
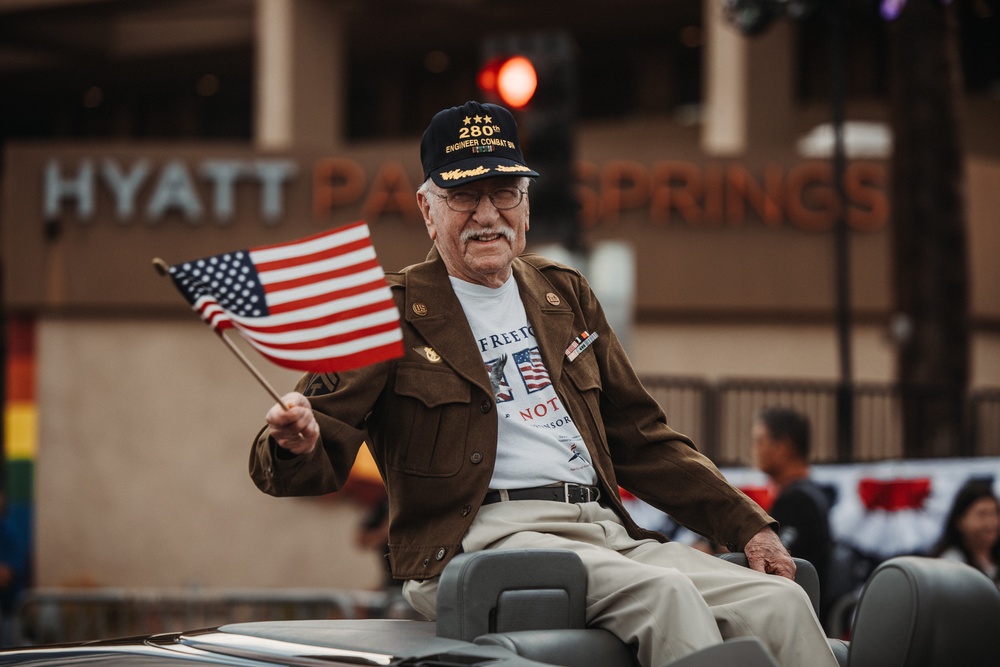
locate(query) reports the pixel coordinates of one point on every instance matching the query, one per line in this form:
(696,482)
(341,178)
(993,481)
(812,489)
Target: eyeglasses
(464,201)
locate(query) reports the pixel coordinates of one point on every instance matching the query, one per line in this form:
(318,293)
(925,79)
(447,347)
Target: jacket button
(440,554)
(466,510)
(476,457)
(485,407)
(427,561)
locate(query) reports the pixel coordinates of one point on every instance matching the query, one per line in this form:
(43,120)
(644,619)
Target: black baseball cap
(471,142)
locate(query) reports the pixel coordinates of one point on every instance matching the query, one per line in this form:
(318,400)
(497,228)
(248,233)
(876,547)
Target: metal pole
(845,389)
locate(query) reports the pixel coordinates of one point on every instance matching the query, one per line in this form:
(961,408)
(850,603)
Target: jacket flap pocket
(584,373)
(432,386)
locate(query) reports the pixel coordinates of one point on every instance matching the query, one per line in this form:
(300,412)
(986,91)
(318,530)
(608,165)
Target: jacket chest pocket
(430,426)
(584,374)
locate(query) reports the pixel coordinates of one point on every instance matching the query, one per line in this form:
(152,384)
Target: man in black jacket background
(781,447)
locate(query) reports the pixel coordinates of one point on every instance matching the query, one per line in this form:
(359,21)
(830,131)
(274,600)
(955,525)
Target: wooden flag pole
(164,270)
(253,369)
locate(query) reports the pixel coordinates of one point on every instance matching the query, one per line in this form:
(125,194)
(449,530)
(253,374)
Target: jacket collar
(550,315)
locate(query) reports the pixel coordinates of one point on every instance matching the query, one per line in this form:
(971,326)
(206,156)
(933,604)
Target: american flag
(318,304)
(529,363)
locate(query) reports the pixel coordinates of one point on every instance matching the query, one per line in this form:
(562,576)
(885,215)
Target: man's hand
(294,429)
(766,553)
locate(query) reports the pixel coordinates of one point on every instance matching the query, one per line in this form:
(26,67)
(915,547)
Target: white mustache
(472,234)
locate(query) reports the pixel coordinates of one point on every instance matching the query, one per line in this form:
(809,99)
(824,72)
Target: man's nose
(485,208)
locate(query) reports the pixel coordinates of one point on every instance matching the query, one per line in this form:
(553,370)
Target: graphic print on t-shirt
(537,441)
(499,379)
(532,370)
(535,378)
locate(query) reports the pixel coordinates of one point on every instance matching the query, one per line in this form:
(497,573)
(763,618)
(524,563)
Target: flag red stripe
(333,340)
(339,316)
(291,306)
(343,363)
(222,325)
(320,277)
(299,260)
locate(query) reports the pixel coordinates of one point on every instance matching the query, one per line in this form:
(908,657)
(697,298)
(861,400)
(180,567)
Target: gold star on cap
(466,120)
(487,119)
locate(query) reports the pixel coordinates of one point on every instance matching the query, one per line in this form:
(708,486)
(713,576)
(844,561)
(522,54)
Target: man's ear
(424,204)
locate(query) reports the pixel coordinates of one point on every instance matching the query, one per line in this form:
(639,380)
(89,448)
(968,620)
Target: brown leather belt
(563,493)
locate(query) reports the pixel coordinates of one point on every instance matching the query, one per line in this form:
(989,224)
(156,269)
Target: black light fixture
(753,17)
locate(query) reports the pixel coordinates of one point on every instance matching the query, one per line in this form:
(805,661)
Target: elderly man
(512,420)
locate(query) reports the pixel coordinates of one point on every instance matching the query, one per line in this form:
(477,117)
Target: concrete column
(300,76)
(749,86)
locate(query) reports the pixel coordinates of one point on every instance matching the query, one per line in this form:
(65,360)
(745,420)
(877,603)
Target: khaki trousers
(668,600)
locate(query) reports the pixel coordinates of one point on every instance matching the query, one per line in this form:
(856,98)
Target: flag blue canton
(230,279)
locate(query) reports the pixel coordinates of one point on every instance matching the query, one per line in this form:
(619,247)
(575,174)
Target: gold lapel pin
(428,353)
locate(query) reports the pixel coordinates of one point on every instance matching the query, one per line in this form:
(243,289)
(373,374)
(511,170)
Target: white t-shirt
(537,442)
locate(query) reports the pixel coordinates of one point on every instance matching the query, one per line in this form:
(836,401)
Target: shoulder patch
(322,384)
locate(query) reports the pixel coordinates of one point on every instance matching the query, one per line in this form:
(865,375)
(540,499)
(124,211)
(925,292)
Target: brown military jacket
(430,420)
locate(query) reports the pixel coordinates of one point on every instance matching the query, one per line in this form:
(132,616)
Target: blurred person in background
(971,532)
(14,566)
(781,448)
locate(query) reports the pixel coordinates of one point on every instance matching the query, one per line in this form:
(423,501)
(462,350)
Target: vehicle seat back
(926,612)
(530,601)
(511,589)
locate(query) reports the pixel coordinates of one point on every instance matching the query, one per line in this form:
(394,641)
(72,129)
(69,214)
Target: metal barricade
(719,416)
(985,422)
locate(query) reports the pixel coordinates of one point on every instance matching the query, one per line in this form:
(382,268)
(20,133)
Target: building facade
(179,129)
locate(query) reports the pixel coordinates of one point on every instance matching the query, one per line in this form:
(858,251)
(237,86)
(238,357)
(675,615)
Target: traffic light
(534,75)
(513,79)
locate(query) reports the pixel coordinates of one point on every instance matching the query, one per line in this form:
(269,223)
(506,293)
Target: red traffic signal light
(512,79)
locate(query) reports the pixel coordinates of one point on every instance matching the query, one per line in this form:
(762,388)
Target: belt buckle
(566,487)
(585,494)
